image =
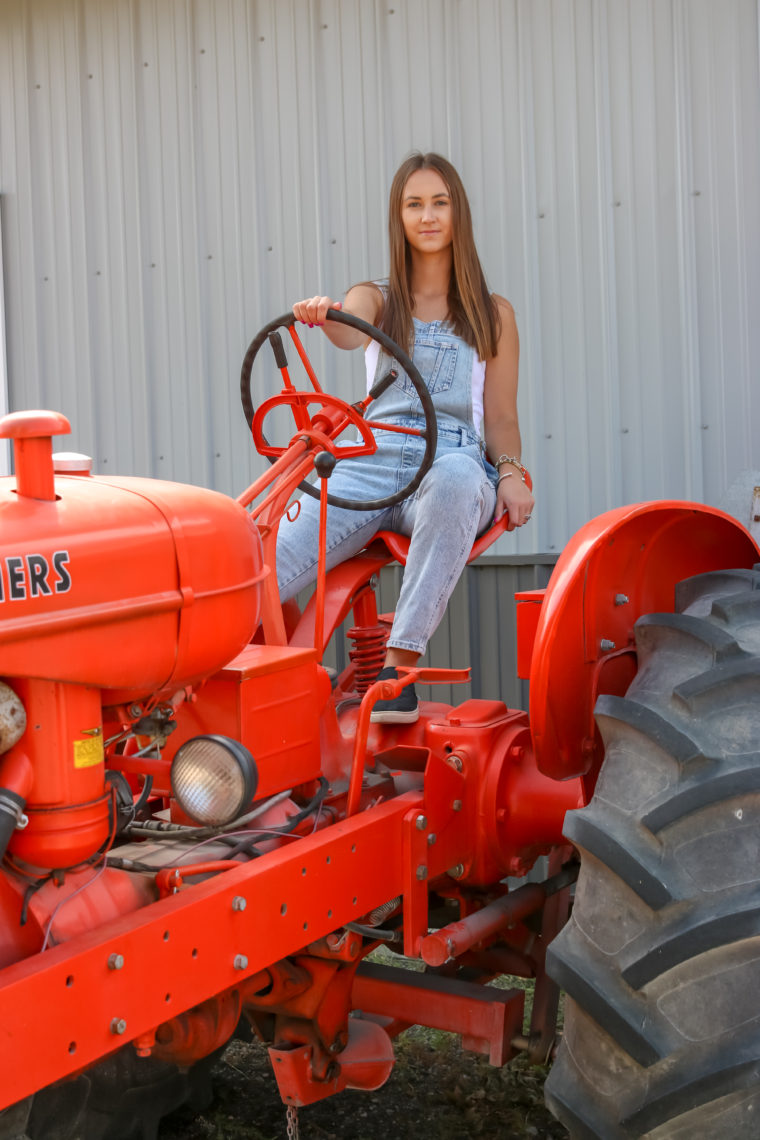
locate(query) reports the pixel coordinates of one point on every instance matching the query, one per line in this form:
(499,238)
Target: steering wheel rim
(429,433)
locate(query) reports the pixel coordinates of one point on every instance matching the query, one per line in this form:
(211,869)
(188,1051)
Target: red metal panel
(173,608)
(184,949)
(488,1018)
(527,614)
(253,700)
(621,565)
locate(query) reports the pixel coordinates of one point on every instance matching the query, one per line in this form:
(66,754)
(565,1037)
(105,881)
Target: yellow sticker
(88,753)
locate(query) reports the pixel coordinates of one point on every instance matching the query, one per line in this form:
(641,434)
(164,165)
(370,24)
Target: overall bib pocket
(436,358)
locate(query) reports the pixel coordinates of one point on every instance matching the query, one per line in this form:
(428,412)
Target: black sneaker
(403,709)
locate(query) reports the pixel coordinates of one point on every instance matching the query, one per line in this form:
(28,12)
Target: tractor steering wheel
(323,431)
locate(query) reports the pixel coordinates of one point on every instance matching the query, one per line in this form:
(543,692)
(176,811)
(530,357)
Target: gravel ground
(435,1092)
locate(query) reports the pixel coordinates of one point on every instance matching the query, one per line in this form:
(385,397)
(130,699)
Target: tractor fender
(620,565)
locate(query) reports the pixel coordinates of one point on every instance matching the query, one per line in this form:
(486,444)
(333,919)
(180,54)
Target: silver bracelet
(515,463)
(506,475)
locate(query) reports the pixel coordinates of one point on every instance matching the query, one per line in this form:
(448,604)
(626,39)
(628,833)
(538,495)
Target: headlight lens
(213,779)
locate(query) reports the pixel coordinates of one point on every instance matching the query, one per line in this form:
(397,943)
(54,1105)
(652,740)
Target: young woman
(464,342)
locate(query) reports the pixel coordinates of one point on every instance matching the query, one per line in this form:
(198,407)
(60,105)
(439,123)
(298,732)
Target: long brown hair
(472,310)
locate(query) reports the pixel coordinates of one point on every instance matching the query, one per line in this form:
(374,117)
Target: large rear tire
(661,959)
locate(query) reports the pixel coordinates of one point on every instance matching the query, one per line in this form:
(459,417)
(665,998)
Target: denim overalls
(453,504)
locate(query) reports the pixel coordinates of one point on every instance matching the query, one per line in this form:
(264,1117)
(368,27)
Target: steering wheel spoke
(335,415)
(321,428)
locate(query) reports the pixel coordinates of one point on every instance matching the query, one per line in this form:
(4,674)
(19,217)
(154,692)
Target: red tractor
(202,829)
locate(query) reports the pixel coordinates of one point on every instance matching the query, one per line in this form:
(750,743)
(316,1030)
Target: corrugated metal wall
(5,464)
(173,173)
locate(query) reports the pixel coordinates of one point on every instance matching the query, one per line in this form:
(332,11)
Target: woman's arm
(502,429)
(365,301)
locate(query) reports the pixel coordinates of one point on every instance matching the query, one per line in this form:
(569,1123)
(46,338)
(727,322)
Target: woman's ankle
(404,657)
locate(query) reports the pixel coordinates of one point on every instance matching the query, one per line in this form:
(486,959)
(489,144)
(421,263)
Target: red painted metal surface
(623,564)
(528,605)
(330,423)
(183,949)
(455,939)
(32,434)
(198,1032)
(137,615)
(67,803)
(165,610)
(487,1019)
(252,700)
(365,1063)
(193,939)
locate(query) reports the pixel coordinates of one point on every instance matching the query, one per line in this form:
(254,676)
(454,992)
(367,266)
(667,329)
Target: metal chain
(291,1114)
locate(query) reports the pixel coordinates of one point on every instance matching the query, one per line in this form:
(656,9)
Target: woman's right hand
(313,311)
(362,301)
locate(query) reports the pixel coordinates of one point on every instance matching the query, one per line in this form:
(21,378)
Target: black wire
(147,789)
(376,933)
(244,847)
(248,844)
(148,868)
(32,890)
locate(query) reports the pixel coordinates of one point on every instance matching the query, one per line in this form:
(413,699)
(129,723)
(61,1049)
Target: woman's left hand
(515,497)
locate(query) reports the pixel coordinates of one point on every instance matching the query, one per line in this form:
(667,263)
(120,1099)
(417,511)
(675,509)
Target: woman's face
(426,212)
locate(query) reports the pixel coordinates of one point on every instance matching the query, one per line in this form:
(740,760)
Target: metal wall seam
(606,494)
(5,453)
(175,172)
(687,277)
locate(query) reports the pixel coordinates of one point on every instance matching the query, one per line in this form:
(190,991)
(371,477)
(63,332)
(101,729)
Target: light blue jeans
(453,504)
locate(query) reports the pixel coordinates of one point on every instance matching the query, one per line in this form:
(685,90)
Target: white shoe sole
(392,716)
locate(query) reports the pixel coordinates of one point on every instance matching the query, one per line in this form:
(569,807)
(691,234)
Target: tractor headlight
(213,779)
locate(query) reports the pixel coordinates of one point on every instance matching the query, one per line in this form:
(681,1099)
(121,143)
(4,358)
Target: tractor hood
(131,585)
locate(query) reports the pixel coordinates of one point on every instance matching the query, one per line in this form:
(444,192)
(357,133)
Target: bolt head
(457,805)
(118,1026)
(239,903)
(606,645)
(115,961)
(455,762)
(240,962)
(420,822)
(422,872)
(432,838)
(457,872)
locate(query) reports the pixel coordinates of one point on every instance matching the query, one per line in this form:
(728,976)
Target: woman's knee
(454,476)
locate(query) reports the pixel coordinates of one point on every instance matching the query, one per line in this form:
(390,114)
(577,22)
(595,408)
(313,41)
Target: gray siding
(175,172)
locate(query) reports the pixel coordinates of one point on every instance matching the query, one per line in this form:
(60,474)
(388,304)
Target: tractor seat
(345,579)
(397,545)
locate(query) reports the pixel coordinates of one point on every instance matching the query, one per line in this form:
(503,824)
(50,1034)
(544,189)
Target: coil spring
(367,655)
(378,916)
